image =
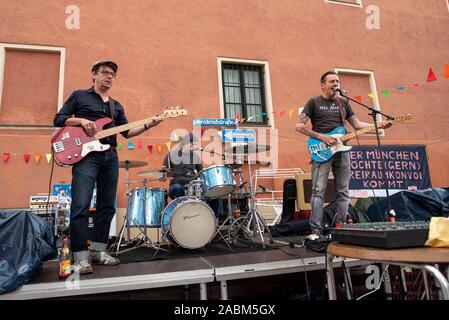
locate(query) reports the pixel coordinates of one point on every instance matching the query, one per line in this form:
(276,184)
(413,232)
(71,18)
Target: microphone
(339,90)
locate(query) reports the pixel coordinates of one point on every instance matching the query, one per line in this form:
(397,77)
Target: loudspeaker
(304,190)
(289,200)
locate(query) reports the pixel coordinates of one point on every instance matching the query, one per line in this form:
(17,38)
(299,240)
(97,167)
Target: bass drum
(188,222)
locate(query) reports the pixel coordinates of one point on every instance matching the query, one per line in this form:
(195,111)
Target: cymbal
(131,164)
(246,149)
(153,172)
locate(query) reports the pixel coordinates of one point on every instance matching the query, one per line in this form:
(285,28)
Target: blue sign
(215,122)
(238,135)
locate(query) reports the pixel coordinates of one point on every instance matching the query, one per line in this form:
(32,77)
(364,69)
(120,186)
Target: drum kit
(189,221)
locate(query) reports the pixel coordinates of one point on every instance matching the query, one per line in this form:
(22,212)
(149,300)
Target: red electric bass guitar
(72,144)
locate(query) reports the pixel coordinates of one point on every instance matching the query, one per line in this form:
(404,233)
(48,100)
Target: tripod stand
(253,218)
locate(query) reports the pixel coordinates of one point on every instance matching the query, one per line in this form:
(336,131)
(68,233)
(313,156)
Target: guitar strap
(111,109)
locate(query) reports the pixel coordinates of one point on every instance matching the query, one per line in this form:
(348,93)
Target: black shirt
(325,114)
(183,171)
(88,104)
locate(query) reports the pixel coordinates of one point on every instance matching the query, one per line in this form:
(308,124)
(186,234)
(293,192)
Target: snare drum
(194,189)
(189,222)
(156,200)
(218,181)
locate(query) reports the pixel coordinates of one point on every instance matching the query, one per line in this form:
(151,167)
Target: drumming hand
(89,127)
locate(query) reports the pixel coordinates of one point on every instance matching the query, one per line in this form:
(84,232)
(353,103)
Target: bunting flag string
(431,75)
(168,145)
(6,156)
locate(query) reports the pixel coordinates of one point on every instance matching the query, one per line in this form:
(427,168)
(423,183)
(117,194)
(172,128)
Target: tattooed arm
(301,127)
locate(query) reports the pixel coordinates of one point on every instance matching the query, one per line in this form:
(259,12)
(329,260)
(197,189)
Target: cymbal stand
(125,220)
(253,217)
(231,218)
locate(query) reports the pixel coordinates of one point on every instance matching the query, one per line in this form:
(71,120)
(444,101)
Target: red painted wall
(167,55)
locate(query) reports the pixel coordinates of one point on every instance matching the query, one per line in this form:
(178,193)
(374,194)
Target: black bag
(26,240)
(331,209)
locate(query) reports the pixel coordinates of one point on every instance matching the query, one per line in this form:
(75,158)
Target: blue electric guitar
(321,152)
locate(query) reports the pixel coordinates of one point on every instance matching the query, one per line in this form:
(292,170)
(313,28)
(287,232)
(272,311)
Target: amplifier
(40,202)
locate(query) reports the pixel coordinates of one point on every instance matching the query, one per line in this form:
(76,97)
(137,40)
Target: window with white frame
(353,3)
(31,84)
(360,84)
(245,91)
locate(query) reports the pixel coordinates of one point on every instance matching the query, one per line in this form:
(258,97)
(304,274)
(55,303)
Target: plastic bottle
(64,260)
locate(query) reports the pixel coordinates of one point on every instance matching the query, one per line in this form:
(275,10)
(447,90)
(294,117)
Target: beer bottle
(64,260)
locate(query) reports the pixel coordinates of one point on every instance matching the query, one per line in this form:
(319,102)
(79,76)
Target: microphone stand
(373,113)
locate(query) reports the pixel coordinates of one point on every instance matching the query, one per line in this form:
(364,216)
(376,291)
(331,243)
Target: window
(361,83)
(243,90)
(354,3)
(31,84)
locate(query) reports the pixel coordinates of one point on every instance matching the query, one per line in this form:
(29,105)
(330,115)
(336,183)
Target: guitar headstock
(173,112)
(403,117)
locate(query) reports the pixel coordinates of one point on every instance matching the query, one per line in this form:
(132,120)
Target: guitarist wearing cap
(328,114)
(82,109)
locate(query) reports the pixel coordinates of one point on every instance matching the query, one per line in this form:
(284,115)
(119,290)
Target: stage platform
(202,271)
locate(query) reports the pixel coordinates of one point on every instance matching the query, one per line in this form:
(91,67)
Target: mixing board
(384,234)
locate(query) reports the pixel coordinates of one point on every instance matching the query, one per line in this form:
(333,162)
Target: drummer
(184,163)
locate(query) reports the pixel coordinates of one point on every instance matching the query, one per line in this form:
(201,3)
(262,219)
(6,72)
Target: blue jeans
(339,164)
(100,168)
(177,190)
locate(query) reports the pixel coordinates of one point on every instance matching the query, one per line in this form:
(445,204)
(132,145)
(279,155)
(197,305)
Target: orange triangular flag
(159,148)
(358,98)
(37,158)
(290,112)
(431,76)
(48,156)
(371,95)
(446,71)
(26,156)
(150,148)
(168,144)
(6,156)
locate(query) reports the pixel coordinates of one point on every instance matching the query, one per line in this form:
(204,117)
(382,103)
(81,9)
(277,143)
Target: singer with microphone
(328,112)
